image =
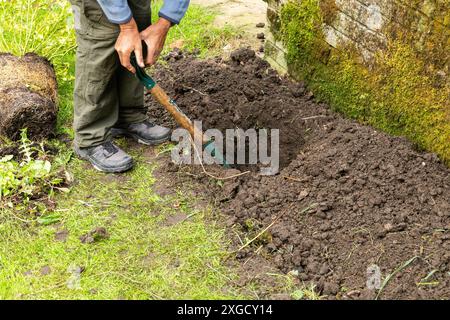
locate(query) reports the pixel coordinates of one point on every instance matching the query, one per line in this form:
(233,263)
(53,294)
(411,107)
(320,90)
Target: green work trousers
(106,94)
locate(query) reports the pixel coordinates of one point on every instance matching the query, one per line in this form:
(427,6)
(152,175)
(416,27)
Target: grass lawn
(144,256)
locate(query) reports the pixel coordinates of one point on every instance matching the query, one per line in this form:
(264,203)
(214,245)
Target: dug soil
(355,212)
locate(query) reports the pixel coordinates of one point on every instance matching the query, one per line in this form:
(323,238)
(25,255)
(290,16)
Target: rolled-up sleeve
(117,11)
(174,10)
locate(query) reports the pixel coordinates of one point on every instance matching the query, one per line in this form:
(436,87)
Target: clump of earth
(28,96)
(350,207)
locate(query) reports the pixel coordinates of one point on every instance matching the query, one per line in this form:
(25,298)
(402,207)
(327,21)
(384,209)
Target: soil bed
(347,196)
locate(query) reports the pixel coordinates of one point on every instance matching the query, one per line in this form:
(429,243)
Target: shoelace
(110,147)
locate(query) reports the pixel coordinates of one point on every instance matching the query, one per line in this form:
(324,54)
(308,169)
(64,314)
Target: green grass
(144,257)
(196,31)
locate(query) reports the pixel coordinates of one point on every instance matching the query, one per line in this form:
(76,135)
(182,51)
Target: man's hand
(129,41)
(155,36)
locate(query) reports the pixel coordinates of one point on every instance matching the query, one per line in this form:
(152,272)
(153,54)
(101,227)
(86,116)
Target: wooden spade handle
(161,96)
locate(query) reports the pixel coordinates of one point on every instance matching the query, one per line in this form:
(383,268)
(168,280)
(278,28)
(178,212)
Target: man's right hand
(129,41)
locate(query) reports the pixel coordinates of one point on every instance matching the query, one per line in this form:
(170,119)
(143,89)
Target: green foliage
(397,95)
(20,181)
(302,42)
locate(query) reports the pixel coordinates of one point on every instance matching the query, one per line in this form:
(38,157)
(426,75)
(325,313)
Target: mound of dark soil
(348,197)
(241,93)
(28,92)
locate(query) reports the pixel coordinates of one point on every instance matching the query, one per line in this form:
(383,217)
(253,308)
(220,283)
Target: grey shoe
(106,157)
(145,132)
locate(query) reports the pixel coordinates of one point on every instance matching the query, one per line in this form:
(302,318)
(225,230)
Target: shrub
(30,178)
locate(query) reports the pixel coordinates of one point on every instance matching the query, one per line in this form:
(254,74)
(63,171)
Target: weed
(30,178)
(306,293)
(298,291)
(391,275)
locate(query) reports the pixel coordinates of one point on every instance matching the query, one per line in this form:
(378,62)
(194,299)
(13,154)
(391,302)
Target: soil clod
(95,235)
(28,93)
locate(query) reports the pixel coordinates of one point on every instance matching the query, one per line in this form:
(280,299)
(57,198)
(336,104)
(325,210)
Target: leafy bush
(28,179)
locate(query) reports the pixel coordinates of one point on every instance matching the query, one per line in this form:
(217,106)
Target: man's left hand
(155,37)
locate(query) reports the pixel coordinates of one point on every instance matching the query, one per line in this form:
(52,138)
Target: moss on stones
(405,90)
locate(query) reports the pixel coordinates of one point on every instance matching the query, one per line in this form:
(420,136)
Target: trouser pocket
(92,10)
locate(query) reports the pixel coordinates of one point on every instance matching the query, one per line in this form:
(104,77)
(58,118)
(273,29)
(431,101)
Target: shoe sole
(100,168)
(119,133)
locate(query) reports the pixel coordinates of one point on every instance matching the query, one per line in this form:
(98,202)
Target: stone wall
(384,62)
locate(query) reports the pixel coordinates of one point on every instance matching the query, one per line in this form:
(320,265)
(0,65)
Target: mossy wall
(383,62)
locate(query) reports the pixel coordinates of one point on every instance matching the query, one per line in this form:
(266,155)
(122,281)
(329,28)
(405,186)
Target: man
(108,98)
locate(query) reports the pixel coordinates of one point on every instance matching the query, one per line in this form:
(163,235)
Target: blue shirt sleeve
(174,10)
(118,11)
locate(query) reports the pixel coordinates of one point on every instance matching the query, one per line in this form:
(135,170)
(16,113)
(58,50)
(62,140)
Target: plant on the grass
(306,293)
(32,176)
(146,257)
